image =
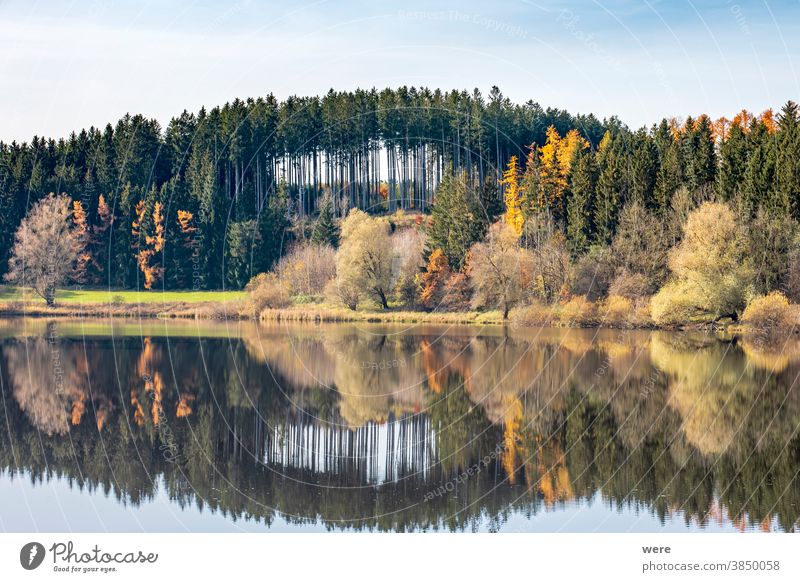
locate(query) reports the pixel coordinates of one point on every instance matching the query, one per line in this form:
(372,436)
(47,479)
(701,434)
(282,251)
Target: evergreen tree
(609,196)
(325,231)
(700,154)
(759,176)
(455,220)
(787,165)
(669,176)
(642,169)
(582,180)
(733,153)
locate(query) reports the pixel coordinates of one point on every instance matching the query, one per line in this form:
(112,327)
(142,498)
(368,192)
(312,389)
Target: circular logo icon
(31,555)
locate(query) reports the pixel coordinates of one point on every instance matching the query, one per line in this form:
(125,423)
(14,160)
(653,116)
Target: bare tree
(497,269)
(46,248)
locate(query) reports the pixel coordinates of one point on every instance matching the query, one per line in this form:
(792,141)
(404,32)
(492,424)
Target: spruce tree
(759,176)
(668,177)
(702,162)
(580,203)
(609,196)
(325,231)
(732,163)
(455,220)
(787,165)
(642,169)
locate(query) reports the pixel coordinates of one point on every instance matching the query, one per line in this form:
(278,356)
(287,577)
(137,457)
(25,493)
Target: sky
(66,65)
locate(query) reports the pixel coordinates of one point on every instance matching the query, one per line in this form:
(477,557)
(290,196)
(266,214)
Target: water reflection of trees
(357,429)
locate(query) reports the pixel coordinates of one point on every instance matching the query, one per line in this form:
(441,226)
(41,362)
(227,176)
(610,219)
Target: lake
(200,426)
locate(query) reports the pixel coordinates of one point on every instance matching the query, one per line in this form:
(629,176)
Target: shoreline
(577,313)
(323,313)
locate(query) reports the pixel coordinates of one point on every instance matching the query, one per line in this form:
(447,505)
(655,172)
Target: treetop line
(230,176)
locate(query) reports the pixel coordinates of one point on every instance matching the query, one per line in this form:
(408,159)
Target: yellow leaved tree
(151,269)
(511,182)
(555,159)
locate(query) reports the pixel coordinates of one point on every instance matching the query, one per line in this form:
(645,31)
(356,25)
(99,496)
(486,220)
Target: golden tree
(743,119)
(82,231)
(555,159)
(434,279)
(152,270)
(511,181)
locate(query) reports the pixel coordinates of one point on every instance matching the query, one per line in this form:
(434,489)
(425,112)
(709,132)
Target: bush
(593,273)
(535,314)
(577,312)
(770,313)
(266,291)
(344,292)
(629,285)
(456,294)
(616,310)
(672,305)
(640,246)
(307,268)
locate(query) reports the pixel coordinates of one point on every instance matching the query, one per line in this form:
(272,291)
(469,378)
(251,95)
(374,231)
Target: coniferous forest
(217,195)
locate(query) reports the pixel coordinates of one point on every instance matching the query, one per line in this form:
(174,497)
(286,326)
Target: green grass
(70,296)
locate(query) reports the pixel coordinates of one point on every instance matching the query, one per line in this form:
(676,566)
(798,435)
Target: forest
(599,209)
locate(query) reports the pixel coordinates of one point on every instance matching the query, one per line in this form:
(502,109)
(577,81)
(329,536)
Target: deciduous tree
(46,248)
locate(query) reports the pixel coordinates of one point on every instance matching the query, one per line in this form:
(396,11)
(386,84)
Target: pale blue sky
(68,65)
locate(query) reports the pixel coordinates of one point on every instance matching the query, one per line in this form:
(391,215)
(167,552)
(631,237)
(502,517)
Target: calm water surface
(184,426)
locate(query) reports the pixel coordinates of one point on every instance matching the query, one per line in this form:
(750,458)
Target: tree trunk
(50,296)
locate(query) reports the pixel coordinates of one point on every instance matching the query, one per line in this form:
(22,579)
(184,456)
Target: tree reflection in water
(384,428)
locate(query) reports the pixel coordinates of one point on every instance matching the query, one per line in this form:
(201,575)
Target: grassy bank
(768,315)
(10,293)
(333,313)
(577,312)
(19,301)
